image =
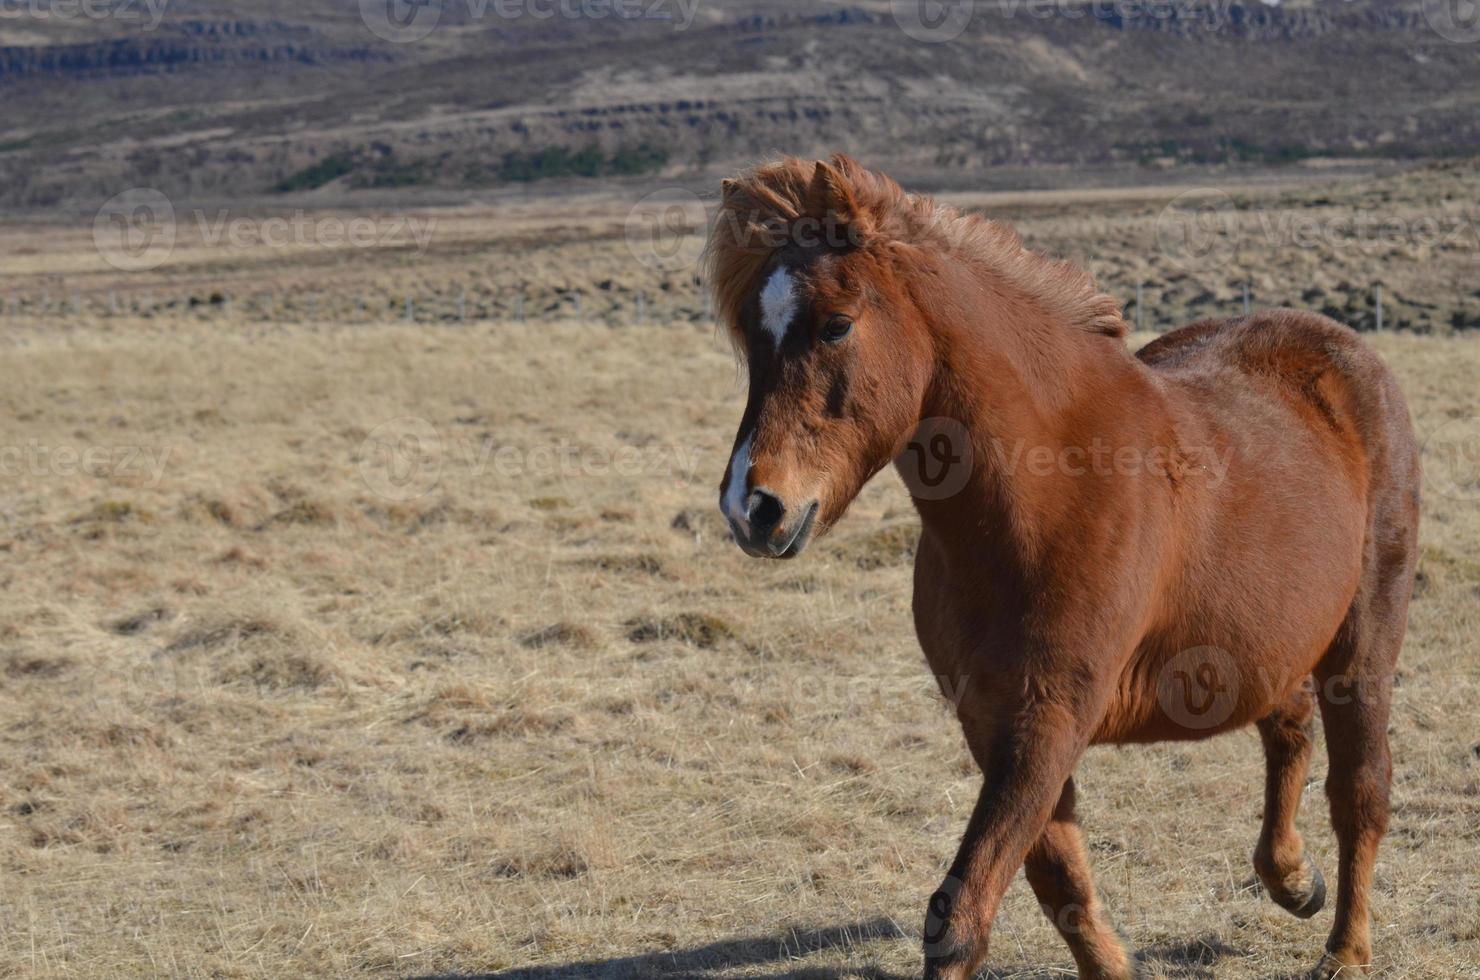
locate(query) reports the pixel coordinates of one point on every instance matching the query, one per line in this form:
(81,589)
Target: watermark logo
(1198,688)
(932,21)
(1199,229)
(135,231)
(1454,20)
(938,912)
(938,460)
(1451,456)
(665,230)
(401,459)
(401,21)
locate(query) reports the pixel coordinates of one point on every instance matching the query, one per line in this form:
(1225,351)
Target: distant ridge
(230,97)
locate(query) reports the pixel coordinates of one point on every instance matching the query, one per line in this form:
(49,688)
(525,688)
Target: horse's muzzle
(771,531)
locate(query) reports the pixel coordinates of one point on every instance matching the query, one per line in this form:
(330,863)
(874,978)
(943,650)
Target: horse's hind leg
(1355,687)
(1058,871)
(1280,860)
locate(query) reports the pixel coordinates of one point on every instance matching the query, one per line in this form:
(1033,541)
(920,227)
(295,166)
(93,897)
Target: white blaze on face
(778,308)
(736,493)
(778,304)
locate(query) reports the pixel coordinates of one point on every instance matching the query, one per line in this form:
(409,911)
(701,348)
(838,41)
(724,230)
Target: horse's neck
(1037,394)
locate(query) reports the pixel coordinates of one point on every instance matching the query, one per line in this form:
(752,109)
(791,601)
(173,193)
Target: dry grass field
(332,648)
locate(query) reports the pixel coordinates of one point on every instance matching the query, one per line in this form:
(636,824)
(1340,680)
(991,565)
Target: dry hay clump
(266,649)
(701,630)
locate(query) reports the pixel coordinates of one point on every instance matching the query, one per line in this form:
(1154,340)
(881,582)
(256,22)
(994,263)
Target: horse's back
(1324,369)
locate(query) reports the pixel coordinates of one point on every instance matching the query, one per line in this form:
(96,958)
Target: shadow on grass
(1187,959)
(728,954)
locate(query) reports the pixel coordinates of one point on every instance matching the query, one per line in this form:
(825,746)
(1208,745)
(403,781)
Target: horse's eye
(837,327)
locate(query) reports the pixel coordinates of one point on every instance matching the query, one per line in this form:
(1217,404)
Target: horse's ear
(846,165)
(831,197)
(727,187)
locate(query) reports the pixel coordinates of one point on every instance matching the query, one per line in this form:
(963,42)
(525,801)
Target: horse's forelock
(762,208)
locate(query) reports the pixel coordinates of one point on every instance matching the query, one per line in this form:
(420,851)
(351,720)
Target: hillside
(227,99)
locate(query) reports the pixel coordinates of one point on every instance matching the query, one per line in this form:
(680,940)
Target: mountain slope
(229,98)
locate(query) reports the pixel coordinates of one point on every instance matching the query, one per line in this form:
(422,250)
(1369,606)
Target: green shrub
(590,162)
(328,169)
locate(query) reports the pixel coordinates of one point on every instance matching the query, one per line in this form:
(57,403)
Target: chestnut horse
(1115,548)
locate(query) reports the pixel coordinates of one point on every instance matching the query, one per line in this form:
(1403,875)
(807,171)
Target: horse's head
(805,277)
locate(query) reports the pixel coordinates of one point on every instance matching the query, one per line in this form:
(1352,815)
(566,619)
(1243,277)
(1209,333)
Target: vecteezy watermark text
(150,13)
(405,21)
(405,458)
(36,460)
(667,229)
(1104,459)
(302,229)
(940,21)
(139,229)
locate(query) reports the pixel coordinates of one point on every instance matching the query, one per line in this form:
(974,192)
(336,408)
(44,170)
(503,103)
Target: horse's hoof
(1331,968)
(1315,898)
(1307,898)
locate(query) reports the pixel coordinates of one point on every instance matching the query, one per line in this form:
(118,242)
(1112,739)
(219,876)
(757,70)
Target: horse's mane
(762,204)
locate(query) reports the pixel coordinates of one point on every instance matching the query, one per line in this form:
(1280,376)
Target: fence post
(1140,306)
(410,310)
(1248,306)
(641,307)
(1377,300)
(462,305)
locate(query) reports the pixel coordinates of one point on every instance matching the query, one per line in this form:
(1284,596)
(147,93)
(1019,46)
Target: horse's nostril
(766,511)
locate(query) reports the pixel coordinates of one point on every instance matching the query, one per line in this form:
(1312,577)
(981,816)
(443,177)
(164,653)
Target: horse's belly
(1191,696)
(1226,664)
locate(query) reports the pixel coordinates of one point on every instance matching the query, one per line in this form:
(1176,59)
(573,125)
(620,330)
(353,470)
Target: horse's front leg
(1026,756)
